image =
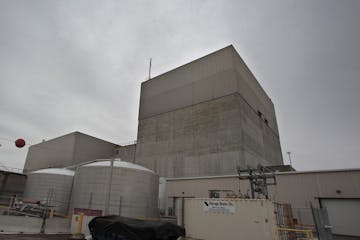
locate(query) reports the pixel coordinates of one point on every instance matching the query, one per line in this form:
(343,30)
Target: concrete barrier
(58,225)
(24,224)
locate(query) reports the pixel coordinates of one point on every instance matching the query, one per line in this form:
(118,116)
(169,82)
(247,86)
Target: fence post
(276,234)
(310,235)
(52,212)
(80,223)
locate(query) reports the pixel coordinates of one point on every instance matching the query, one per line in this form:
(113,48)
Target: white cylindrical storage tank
(133,189)
(52,185)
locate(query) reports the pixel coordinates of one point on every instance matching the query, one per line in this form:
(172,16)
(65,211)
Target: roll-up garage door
(344,215)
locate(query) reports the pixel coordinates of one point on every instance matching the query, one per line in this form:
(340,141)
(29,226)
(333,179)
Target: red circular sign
(20,143)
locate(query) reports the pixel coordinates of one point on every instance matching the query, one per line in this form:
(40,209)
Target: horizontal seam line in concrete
(230,94)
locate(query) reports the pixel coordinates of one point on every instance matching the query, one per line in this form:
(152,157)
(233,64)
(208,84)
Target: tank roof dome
(59,171)
(117,163)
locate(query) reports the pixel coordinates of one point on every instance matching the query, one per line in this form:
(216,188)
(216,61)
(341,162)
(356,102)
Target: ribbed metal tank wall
(134,189)
(53,184)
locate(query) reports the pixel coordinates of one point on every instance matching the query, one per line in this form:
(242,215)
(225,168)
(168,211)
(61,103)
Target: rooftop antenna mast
(150,69)
(289,153)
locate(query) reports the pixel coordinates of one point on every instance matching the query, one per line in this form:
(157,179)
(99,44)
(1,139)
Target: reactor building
(206,118)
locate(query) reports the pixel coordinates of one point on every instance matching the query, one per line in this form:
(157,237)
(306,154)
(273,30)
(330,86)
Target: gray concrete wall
(209,138)
(11,184)
(297,188)
(126,153)
(57,152)
(88,148)
(67,150)
(218,74)
(202,119)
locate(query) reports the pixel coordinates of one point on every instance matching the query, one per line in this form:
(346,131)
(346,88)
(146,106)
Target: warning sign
(218,206)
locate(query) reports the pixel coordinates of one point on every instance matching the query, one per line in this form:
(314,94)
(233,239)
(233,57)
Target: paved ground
(337,237)
(34,236)
(66,237)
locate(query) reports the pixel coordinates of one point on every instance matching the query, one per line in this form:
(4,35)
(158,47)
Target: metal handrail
(308,232)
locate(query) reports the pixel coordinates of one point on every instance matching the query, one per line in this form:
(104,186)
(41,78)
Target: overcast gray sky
(77,66)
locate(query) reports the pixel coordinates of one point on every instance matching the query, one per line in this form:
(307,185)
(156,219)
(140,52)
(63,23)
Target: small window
(266,121)
(214,194)
(259,114)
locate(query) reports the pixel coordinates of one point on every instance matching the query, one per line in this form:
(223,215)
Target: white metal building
(337,190)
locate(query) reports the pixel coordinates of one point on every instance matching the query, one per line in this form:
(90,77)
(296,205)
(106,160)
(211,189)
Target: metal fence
(293,223)
(17,206)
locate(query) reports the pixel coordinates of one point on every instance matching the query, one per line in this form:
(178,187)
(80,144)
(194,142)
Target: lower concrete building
(67,150)
(11,184)
(337,190)
(126,152)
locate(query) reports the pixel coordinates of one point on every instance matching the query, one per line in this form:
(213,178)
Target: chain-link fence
(293,223)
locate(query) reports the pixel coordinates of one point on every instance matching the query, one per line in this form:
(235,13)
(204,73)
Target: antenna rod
(289,153)
(150,69)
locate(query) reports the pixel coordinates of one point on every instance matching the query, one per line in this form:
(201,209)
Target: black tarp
(122,228)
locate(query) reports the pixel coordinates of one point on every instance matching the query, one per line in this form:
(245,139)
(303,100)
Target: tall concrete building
(206,118)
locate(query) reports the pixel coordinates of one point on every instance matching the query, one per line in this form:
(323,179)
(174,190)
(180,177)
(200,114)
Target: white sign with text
(220,206)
